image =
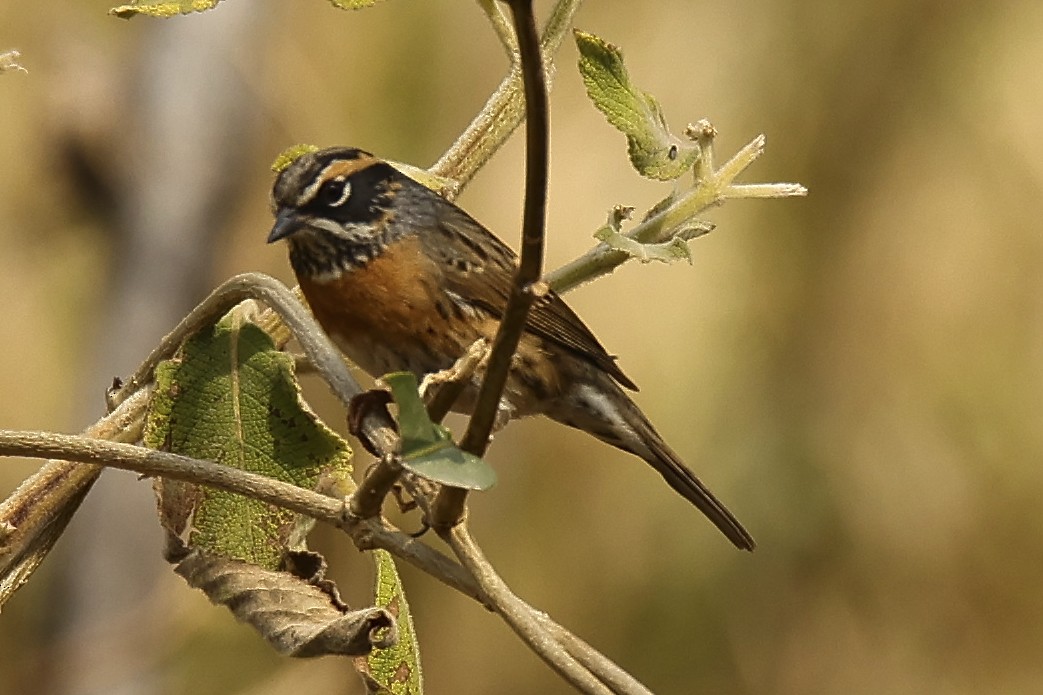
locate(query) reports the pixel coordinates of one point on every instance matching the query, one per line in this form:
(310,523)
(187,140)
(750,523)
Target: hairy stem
(504,111)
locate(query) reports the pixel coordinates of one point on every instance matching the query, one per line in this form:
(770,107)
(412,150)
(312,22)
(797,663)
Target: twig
(442,389)
(618,680)
(712,187)
(366,501)
(316,345)
(476,579)
(494,11)
(523,292)
(519,616)
(34,516)
(503,112)
(368,533)
(448,507)
(449,504)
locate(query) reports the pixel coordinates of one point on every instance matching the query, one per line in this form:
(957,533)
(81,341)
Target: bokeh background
(858,374)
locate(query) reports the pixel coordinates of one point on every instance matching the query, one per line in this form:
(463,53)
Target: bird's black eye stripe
(335,192)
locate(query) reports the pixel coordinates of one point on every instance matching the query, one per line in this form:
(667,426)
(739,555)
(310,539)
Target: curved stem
(367,533)
(519,616)
(314,341)
(503,112)
(448,508)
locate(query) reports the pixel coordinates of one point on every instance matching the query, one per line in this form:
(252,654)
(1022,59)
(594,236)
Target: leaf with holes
(229,396)
(654,151)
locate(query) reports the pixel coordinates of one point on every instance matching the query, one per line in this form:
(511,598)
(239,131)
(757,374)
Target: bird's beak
(286,223)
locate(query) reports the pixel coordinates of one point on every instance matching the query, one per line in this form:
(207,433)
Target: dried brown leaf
(298,617)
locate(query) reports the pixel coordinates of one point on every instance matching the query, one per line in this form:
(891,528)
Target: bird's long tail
(609,414)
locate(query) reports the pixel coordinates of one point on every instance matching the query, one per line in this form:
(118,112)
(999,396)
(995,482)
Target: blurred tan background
(857,374)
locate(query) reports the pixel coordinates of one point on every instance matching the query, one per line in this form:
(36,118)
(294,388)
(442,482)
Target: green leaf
(674,249)
(289,155)
(163,9)
(353,4)
(427,447)
(441,185)
(395,669)
(654,151)
(229,396)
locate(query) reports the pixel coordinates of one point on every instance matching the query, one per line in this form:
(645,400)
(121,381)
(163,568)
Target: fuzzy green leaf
(162,9)
(394,670)
(427,447)
(289,155)
(229,396)
(654,151)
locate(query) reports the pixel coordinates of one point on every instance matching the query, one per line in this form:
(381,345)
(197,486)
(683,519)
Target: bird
(402,279)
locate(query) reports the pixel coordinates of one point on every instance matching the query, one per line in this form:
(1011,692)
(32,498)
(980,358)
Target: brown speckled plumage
(402,279)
